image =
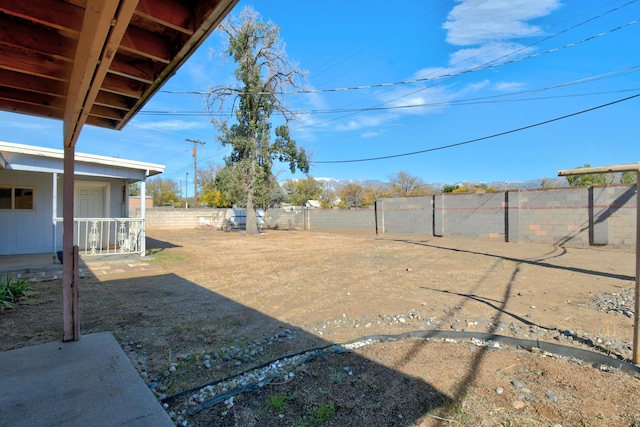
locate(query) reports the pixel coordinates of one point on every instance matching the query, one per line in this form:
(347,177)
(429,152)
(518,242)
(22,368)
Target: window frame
(12,189)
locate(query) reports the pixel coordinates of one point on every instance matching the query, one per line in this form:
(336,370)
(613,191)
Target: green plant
(11,289)
(324,412)
(336,377)
(277,402)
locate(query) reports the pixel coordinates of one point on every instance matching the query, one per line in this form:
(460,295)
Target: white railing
(106,236)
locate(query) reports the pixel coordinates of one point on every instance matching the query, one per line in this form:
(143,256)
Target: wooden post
(70,313)
(636,322)
(635,355)
(75,306)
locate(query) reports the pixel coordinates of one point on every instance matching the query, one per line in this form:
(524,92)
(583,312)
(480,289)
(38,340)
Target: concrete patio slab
(89,382)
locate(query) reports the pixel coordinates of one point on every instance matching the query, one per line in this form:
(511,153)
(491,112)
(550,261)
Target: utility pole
(195,168)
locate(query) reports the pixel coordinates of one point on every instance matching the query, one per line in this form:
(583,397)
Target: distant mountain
(336,184)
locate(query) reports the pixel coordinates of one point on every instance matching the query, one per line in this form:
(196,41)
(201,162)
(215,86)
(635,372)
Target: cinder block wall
(573,216)
(341,220)
(406,215)
(475,216)
(161,218)
(555,215)
(604,215)
(285,220)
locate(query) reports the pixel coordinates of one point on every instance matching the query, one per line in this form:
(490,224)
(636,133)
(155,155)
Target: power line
(478,100)
(422,79)
(479,139)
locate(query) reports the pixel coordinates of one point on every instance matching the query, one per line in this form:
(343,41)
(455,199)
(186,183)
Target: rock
(499,390)
(552,397)
(517,384)
(518,404)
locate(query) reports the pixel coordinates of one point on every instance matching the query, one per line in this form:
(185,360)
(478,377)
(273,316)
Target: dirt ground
(211,304)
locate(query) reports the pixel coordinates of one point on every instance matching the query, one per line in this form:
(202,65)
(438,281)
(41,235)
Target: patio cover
(95,62)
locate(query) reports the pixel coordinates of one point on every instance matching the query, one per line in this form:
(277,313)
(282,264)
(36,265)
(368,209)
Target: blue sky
(432,74)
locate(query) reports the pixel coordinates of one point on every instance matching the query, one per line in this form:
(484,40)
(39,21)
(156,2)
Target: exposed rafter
(96,61)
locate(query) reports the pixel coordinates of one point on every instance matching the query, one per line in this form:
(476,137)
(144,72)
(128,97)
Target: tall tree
(352,195)
(373,192)
(300,191)
(163,191)
(209,192)
(589,179)
(263,72)
(403,184)
(628,177)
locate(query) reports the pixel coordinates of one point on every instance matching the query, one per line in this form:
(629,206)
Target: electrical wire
(412,153)
(479,100)
(489,66)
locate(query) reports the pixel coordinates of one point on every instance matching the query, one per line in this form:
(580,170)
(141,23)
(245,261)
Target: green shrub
(11,289)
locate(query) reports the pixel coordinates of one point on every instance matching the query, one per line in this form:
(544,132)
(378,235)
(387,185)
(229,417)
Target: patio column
(70,314)
(143,215)
(54,213)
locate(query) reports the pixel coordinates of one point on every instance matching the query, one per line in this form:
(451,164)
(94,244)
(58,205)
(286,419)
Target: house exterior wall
(27,231)
(32,231)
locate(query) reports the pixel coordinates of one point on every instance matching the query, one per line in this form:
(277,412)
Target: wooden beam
(104,24)
(632,167)
(34,38)
(134,68)
(112,100)
(102,122)
(106,113)
(211,13)
(31,110)
(61,15)
(122,86)
(146,44)
(33,64)
(29,83)
(169,13)
(30,98)
(69,312)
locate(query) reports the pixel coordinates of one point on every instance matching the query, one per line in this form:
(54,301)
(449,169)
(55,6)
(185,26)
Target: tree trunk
(251,221)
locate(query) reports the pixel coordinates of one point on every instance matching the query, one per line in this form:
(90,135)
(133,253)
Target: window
(16,198)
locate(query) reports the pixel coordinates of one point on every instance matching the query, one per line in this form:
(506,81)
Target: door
(90,203)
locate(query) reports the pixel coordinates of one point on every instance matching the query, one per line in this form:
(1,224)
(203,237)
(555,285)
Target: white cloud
(475,22)
(170,125)
(509,86)
(469,58)
(363,122)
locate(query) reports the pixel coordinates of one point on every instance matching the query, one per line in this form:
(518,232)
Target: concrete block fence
(582,216)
